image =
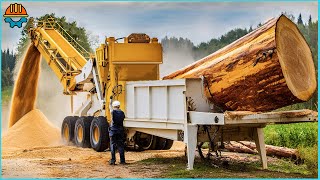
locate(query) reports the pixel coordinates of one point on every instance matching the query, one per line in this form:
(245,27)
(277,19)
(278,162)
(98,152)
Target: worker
(116,131)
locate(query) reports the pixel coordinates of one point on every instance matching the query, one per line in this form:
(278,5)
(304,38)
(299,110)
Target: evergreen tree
(300,19)
(7,65)
(250,29)
(310,20)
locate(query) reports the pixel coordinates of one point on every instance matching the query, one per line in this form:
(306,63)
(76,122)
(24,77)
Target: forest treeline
(309,30)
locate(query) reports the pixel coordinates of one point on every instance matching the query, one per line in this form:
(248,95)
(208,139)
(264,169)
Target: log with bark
(250,148)
(240,148)
(269,68)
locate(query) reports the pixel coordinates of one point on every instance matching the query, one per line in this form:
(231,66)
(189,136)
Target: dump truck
(158,112)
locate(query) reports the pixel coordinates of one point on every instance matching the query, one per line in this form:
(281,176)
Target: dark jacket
(117,122)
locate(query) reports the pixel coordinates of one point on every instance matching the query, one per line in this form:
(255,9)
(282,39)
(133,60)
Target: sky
(197,21)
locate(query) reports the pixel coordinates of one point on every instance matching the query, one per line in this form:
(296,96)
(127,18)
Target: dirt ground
(73,162)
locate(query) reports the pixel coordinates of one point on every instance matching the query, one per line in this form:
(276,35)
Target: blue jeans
(117,142)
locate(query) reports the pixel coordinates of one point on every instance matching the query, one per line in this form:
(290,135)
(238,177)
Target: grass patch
(278,168)
(292,135)
(310,156)
(6,94)
(301,136)
(287,166)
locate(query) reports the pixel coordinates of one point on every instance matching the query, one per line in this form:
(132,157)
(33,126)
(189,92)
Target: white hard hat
(115,103)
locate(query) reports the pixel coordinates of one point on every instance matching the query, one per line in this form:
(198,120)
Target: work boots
(112,162)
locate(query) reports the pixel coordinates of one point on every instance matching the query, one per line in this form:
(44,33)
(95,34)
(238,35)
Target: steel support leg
(190,138)
(259,140)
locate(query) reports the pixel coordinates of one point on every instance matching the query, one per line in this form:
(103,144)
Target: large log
(269,68)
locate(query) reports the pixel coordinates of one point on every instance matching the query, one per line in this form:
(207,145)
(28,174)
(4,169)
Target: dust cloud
(51,100)
(175,58)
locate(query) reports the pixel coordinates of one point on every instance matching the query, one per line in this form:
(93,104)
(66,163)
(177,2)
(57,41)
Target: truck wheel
(168,145)
(144,141)
(67,128)
(99,134)
(82,131)
(163,143)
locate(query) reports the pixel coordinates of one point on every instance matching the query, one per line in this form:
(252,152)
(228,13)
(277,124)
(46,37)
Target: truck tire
(67,129)
(99,134)
(154,143)
(144,141)
(168,145)
(163,143)
(82,131)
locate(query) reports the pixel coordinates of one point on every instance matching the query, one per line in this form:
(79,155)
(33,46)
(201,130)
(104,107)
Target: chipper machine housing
(158,112)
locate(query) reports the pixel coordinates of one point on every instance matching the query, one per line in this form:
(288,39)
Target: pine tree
(250,29)
(310,20)
(300,19)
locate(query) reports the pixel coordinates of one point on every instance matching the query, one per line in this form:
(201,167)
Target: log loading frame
(178,110)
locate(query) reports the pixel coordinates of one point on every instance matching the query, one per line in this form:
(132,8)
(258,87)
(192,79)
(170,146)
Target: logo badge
(15,11)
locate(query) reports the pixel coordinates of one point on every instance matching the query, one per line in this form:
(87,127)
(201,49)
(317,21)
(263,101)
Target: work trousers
(117,142)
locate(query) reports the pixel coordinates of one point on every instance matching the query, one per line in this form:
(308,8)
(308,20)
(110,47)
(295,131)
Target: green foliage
(310,156)
(8,60)
(6,94)
(176,43)
(301,136)
(292,135)
(206,48)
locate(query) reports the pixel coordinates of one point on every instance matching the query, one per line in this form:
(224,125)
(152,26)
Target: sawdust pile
(25,88)
(32,130)
(28,127)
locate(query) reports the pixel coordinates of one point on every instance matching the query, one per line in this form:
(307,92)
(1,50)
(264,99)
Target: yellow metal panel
(139,72)
(137,52)
(100,55)
(102,66)
(122,96)
(130,62)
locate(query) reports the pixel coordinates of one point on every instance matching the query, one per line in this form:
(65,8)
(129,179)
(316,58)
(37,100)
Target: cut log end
(295,59)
